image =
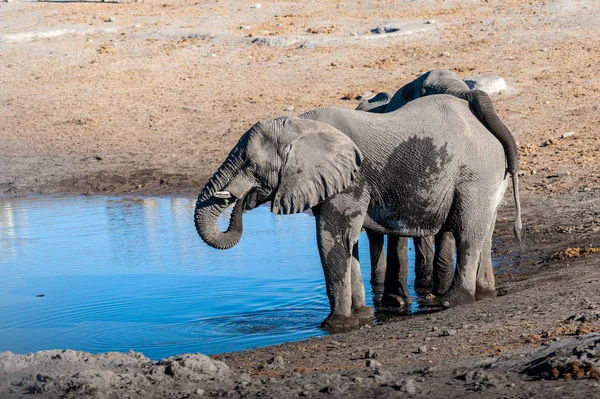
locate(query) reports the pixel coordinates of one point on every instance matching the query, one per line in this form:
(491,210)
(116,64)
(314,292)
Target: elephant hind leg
(469,245)
(486,283)
(443,267)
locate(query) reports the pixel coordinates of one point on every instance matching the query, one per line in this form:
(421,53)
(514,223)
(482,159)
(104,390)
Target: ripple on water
(131,273)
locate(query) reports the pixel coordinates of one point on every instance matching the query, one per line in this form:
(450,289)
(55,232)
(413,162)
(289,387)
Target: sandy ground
(148,97)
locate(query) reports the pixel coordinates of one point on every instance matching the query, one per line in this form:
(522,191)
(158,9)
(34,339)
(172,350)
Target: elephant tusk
(223,194)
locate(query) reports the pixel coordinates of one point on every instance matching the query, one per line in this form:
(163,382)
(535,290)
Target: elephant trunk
(206,218)
(212,203)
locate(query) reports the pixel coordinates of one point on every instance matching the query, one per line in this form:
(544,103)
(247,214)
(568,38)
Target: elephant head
(376,104)
(294,163)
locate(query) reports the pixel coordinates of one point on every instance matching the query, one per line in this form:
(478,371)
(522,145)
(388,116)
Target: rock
(445,54)
(257,5)
(490,83)
(200,392)
(279,41)
(384,29)
(372,363)
(290,108)
(410,387)
(430,21)
(422,349)
(448,333)
(567,134)
(480,380)
(275,363)
(111,19)
(434,329)
(371,354)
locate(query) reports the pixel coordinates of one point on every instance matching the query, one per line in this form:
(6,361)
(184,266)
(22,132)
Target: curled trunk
(206,216)
(209,207)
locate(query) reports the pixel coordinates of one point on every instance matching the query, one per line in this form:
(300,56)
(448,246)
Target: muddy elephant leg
(338,227)
(359,307)
(395,293)
(469,243)
(443,266)
(423,263)
(486,284)
(378,261)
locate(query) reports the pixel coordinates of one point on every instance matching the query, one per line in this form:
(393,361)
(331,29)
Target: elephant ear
(318,162)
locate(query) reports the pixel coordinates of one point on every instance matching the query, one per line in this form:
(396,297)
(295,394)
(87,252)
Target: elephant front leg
(359,306)
(378,261)
(424,256)
(337,233)
(395,293)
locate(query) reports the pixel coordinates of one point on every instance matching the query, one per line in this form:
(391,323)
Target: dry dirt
(148,97)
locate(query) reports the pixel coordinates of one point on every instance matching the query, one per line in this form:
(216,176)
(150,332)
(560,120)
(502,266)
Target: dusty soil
(148,97)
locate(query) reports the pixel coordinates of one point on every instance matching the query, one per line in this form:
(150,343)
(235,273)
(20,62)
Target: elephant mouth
(252,199)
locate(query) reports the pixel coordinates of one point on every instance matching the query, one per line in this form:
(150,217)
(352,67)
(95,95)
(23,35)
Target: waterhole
(104,274)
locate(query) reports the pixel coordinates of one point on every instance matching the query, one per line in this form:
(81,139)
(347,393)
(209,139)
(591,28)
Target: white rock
(567,134)
(489,82)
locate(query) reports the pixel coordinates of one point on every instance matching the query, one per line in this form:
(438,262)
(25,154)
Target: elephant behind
(437,81)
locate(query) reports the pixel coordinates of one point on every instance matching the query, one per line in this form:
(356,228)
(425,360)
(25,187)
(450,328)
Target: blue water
(112,274)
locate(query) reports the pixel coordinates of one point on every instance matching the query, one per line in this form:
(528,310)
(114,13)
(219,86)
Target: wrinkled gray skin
(437,81)
(429,167)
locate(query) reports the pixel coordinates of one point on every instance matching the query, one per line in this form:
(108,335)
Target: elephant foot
(363,312)
(481,294)
(456,297)
(337,322)
(394,301)
(377,288)
(423,286)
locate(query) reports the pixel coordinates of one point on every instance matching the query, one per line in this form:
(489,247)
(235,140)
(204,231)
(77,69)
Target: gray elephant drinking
(428,167)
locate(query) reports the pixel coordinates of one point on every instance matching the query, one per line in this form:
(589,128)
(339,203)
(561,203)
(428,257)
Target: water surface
(112,274)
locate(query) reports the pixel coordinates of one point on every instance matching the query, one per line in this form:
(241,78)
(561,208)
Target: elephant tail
(481,105)
(518,227)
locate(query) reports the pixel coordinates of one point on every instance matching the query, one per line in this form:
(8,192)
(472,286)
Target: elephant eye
(251,167)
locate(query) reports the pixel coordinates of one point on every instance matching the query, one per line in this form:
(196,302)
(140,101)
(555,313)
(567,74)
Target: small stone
(275,363)
(245,27)
(371,354)
(384,29)
(587,189)
(200,392)
(448,333)
(533,171)
(422,349)
(567,134)
(430,21)
(445,54)
(434,329)
(111,19)
(373,363)
(410,387)
(257,5)
(290,108)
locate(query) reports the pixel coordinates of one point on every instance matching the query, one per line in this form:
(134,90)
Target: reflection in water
(131,273)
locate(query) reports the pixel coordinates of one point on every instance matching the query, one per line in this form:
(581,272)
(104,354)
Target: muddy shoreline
(147,98)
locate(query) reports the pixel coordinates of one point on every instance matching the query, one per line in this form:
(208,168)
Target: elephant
(426,168)
(437,81)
